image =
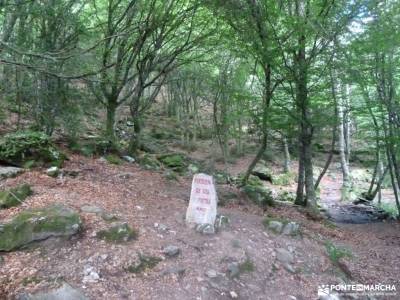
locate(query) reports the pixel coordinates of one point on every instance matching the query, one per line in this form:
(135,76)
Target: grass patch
(114,159)
(335,253)
(247,266)
(145,262)
(391,209)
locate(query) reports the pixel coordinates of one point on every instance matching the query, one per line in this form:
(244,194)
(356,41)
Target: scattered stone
(275,226)
(128,158)
(90,275)
(65,292)
(109,217)
(291,228)
(40,224)
(117,233)
(53,171)
(171,251)
(211,273)
(10,172)
(206,229)
(233,295)
(125,175)
(179,271)
(15,196)
(222,222)
(91,209)
(233,270)
(161,227)
(1,260)
(284,256)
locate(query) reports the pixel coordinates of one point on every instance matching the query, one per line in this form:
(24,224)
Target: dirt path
(156,207)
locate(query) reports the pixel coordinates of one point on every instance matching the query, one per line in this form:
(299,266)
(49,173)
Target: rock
(233,295)
(171,251)
(291,228)
(128,158)
(202,209)
(65,292)
(161,227)
(179,271)
(211,273)
(262,172)
(117,233)
(284,256)
(233,270)
(221,222)
(1,260)
(91,209)
(275,226)
(10,172)
(15,196)
(205,229)
(53,171)
(126,175)
(35,225)
(109,217)
(193,169)
(29,148)
(90,275)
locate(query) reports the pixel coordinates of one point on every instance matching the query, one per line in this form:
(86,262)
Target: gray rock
(171,251)
(291,228)
(40,224)
(179,271)
(284,256)
(91,209)
(211,273)
(65,292)
(275,226)
(1,260)
(90,275)
(9,172)
(205,229)
(222,222)
(128,158)
(53,171)
(233,270)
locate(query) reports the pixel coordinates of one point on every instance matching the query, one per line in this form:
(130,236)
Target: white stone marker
(202,207)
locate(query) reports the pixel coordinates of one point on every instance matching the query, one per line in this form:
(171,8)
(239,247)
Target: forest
(110,109)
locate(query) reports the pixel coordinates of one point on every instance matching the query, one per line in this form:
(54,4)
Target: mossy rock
(95,145)
(114,159)
(145,262)
(37,225)
(149,162)
(284,179)
(15,196)
(263,173)
(260,195)
(117,233)
(35,148)
(173,161)
(287,196)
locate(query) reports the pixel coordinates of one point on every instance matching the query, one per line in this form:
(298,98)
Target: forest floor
(156,207)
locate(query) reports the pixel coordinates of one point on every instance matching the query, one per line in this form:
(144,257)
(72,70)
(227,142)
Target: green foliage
(114,159)
(14,196)
(335,253)
(145,262)
(118,233)
(284,179)
(390,208)
(27,146)
(260,195)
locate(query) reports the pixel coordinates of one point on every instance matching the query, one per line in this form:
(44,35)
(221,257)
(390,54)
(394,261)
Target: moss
(149,163)
(247,266)
(287,196)
(260,195)
(118,233)
(15,196)
(36,148)
(269,219)
(284,179)
(145,262)
(174,161)
(34,225)
(114,159)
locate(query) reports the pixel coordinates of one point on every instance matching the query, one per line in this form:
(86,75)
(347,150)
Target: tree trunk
(287,162)
(110,121)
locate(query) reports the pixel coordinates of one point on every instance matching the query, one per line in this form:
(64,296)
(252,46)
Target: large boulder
(64,292)
(15,196)
(38,224)
(29,148)
(263,173)
(10,172)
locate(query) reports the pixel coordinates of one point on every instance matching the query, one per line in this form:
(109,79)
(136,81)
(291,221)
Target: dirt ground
(146,200)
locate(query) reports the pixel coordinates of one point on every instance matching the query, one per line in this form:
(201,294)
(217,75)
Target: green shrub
(15,196)
(29,146)
(335,253)
(114,159)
